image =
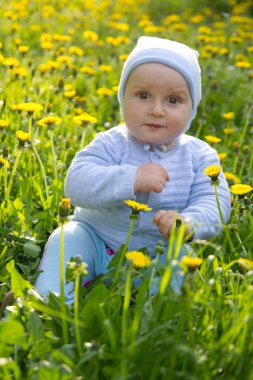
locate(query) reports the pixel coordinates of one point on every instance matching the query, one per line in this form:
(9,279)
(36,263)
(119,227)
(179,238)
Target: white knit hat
(176,55)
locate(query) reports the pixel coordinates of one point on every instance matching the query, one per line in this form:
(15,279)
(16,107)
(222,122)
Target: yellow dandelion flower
(11,62)
(19,72)
(87,70)
(197,19)
(4,123)
(68,87)
(172,18)
(90,35)
(138,259)
(243,64)
(144,23)
(228,131)
(46,37)
(76,51)
(213,172)
(47,45)
(240,189)
(123,57)
(191,263)
(23,49)
(69,94)
(136,206)
(4,162)
(223,51)
(153,29)
(85,118)
(64,59)
(235,39)
(28,107)
(80,99)
(204,30)
(104,91)
(62,38)
(18,41)
(231,177)
(228,115)
(105,68)
(119,26)
(212,139)
(178,27)
(222,156)
(245,263)
(49,120)
(112,41)
(23,137)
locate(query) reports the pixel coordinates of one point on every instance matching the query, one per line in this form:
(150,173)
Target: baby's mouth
(155,126)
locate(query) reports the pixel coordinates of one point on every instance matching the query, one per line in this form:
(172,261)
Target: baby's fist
(150,177)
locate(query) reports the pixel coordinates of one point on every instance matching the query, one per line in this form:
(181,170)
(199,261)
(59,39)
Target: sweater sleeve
(96,177)
(202,210)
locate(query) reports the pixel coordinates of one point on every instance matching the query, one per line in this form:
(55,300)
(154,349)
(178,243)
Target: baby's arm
(97,178)
(201,215)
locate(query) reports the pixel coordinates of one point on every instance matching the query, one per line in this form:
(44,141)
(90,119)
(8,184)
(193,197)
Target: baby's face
(157,104)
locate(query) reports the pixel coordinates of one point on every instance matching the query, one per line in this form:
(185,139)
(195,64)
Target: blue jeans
(80,239)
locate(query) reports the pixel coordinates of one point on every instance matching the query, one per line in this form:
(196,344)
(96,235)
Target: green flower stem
(251,163)
(62,293)
(242,137)
(42,169)
(5,177)
(76,314)
(83,137)
(126,303)
(153,271)
(3,253)
(9,186)
(53,154)
(29,152)
(222,219)
(241,243)
(124,250)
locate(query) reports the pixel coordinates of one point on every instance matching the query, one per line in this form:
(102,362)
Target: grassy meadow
(60,63)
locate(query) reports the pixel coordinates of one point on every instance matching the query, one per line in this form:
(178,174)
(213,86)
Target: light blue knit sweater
(101,177)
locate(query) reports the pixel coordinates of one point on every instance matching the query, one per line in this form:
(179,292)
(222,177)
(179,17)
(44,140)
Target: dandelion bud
(61,83)
(236,146)
(246,148)
(64,208)
(159,247)
(5,151)
(67,144)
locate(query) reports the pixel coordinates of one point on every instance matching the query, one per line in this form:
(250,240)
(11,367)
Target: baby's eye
(143,95)
(173,100)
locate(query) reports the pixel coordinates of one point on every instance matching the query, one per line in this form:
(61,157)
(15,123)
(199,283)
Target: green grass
(115,330)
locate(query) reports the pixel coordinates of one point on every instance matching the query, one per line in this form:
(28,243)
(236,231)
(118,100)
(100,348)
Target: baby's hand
(164,221)
(150,177)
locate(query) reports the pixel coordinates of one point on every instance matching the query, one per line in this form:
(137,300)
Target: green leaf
(18,283)
(12,332)
(116,258)
(35,327)
(31,250)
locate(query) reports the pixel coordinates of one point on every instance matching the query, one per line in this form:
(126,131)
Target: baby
(149,159)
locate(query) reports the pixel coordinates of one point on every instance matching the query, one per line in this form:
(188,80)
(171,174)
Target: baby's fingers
(158,216)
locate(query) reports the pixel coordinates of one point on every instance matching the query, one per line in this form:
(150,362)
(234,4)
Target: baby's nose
(157,108)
